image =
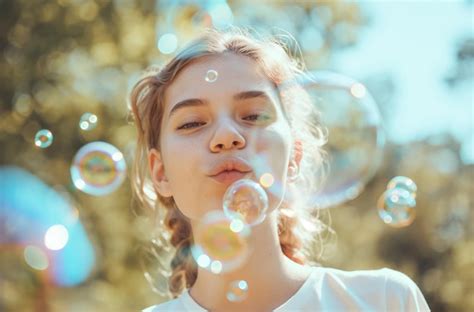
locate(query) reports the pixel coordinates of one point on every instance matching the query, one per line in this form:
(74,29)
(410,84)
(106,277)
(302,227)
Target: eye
(190,125)
(257,117)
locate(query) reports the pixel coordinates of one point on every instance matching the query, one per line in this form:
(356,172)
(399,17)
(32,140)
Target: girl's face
(236,119)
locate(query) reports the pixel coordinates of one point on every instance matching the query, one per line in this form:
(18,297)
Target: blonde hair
(299,226)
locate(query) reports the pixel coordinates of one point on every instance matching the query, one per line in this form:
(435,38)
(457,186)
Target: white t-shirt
(335,290)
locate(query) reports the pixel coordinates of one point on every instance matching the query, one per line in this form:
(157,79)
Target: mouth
(229,177)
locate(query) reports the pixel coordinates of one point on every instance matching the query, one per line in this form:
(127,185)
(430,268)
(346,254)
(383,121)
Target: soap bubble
(211,75)
(88,121)
(396,207)
(237,291)
(247,201)
(98,168)
(43,138)
(403,183)
(219,248)
(355,136)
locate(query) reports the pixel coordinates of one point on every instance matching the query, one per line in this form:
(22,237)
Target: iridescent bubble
(403,183)
(396,207)
(98,168)
(218,248)
(355,135)
(238,291)
(88,121)
(211,75)
(43,138)
(247,201)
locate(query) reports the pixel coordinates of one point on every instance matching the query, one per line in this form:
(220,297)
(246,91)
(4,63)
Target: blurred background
(71,242)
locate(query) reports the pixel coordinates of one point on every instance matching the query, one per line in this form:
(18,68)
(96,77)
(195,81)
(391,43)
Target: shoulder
(402,292)
(384,288)
(370,277)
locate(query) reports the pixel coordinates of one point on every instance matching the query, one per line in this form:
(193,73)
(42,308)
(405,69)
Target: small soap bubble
(98,168)
(218,248)
(43,138)
(403,183)
(396,207)
(237,291)
(247,201)
(88,121)
(211,75)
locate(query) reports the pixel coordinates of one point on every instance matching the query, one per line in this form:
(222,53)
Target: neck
(265,268)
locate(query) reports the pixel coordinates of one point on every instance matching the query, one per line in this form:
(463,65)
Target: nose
(226,137)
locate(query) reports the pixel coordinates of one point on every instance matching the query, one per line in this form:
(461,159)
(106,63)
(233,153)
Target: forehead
(235,73)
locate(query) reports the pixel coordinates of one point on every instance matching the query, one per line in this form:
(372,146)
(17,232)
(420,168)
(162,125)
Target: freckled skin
(188,154)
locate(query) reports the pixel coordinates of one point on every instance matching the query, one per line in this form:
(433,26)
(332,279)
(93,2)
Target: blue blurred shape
(28,208)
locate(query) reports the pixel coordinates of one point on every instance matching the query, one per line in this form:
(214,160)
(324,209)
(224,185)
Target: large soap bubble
(355,139)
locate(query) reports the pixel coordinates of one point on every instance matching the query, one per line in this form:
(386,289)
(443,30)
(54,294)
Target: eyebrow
(245,95)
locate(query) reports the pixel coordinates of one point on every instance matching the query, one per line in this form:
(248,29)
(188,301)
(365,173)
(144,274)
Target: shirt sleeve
(402,294)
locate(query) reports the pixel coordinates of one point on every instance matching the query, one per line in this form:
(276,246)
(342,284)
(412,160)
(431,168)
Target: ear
(294,164)
(157,171)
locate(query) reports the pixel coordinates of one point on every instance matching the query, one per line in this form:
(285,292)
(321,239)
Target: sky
(415,42)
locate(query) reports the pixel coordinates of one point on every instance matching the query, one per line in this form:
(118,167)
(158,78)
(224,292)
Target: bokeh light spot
(56,237)
(36,258)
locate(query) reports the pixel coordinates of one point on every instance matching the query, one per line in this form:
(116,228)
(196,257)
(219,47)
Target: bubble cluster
(221,247)
(237,291)
(396,206)
(247,201)
(211,75)
(98,168)
(355,135)
(88,121)
(43,138)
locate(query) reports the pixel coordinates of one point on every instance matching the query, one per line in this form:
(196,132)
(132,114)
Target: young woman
(228,107)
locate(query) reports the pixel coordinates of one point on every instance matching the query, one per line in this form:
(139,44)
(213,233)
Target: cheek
(185,175)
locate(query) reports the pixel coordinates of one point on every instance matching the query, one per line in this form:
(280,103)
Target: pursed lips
(230,170)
